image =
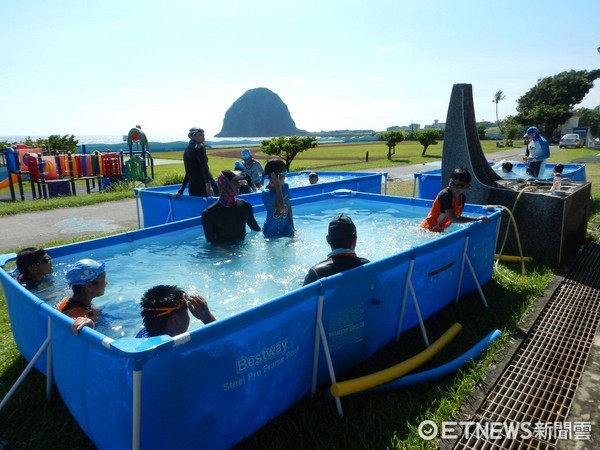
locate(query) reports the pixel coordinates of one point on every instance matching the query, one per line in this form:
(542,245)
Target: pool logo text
(265,354)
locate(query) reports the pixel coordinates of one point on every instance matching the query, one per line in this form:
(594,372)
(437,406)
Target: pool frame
(159,208)
(221,383)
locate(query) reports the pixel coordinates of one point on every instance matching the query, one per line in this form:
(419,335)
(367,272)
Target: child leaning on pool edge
(165,311)
(87,278)
(448,205)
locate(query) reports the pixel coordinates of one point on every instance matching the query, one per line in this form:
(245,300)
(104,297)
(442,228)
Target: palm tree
(498,96)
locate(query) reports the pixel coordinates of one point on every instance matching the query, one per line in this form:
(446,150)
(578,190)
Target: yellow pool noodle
(510,258)
(391,373)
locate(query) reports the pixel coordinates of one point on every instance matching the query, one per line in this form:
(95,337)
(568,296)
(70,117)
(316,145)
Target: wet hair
(160,296)
(507,166)
(559,168)
(28,257)
(274,165)
(461,174)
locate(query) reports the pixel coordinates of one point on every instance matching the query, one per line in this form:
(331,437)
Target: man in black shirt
(342,239)
(197,173)
(226,219)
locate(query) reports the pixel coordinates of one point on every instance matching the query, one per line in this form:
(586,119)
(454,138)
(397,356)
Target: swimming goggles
(167,310)
(45,260)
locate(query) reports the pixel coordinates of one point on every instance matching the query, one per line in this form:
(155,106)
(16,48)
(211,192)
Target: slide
(5,182)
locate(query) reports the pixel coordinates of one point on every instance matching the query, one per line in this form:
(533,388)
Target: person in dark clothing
(341,238)
(226,219)
(197,173)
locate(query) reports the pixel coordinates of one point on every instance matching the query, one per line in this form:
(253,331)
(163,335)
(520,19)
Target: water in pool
(301,179)
(237,277)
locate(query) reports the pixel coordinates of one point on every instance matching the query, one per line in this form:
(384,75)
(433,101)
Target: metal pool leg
(338,402)
(320,331)
(137,209)
(409,286)
(137,403)
(170,215)
(25,372)
(466,259)
(462,269)
(49,372)
(313,390)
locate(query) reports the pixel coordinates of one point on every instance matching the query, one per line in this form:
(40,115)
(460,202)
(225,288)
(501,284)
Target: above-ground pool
(216,384)
(430,182)
(158,206)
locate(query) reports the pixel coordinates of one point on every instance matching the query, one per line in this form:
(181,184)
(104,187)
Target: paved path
(38,228)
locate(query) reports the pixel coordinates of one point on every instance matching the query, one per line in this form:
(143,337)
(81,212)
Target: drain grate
(540,382)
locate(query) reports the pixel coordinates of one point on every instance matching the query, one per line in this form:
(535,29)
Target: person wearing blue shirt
(538,151)
(276,198)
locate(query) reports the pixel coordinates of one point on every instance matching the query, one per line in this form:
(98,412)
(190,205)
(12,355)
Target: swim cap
(341,229)
(238,166)
(530,130)
(246,154)
(84,271)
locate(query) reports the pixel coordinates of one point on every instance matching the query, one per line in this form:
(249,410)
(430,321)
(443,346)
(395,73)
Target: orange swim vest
(437,220)
(75,309)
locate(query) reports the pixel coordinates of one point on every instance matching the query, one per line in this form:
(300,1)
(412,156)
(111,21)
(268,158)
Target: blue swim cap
(238,166)
(246,154)
(84,271)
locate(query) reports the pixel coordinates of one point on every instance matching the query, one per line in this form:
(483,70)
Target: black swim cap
(341,229)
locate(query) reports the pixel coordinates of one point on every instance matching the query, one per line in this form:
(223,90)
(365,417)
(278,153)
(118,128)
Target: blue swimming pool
(250,366)
(430,182)
(158,208)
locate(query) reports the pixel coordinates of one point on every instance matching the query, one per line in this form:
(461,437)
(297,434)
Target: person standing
(226,219)
(197,174)
(252,168)
(537,152)
(341,237)
(276,198)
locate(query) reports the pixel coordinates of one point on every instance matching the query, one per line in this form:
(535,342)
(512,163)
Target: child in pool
(34,265)
(448,205)
(276,197)
(87,278)
(165,311)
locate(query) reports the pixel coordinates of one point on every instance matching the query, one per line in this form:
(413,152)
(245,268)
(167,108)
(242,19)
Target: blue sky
(101,67)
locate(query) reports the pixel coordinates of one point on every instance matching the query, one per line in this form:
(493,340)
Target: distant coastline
(114,143)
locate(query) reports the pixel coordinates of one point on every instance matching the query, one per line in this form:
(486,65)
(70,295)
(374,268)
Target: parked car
(571,140)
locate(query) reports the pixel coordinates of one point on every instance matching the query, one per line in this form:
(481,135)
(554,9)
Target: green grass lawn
(385,420)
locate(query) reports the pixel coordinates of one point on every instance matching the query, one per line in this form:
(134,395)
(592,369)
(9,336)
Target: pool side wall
(159,208)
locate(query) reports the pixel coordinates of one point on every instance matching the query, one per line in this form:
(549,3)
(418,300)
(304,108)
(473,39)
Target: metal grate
(540,382)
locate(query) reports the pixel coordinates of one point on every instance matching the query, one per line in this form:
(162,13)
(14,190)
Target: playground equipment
(53,175)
